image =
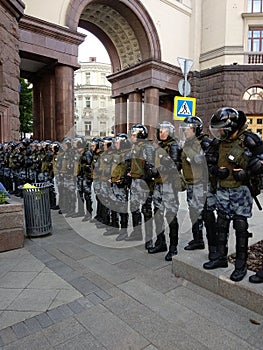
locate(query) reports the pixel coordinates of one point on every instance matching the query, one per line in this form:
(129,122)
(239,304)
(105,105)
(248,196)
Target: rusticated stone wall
(10,12)
(224,86)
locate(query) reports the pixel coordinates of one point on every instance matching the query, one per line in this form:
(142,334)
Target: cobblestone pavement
(77,289)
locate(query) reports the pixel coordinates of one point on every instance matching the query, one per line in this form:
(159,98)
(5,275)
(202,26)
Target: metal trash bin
(37,209)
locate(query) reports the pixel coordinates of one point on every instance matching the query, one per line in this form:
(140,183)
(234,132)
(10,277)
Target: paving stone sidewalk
(76,289)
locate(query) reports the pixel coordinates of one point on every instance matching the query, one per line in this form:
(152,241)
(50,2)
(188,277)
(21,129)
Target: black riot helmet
(26,141)
(123,139)
(79,142)
(195,123)
(67,141)
(225,122)
(96,143)
(165,125)
(107,140)
(140,131)
(55,146)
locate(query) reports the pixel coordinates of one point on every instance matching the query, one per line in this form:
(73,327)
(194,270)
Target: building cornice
(47,29)
(143,67)
(221,51)
(15,7)
(178,6)
(229,68)
(252,15)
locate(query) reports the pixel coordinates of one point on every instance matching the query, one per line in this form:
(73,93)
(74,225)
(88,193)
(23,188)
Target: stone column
(121,114)
(37,127)
(5,127)
(151,110)
(48,105)
(64,85)
(135,108)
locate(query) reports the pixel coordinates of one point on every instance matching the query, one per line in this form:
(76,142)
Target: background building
(94,106)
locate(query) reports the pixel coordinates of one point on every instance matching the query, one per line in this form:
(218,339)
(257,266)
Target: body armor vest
(232,155)
(137,160)
(193,173)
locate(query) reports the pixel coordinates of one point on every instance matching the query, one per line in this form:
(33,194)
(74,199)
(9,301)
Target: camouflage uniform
(237,160)
(86,171)
(96,144)
(165,196)
(66,185)
(120,185)
(196,178)
(102,175)
(141,190)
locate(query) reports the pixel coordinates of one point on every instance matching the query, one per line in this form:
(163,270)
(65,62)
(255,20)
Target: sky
(92,47)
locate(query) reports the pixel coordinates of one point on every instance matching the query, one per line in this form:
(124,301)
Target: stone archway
(131,39)
(124,27)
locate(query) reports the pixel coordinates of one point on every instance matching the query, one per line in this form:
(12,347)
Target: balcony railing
(254,58)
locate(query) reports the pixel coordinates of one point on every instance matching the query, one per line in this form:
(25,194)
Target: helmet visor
(186,131)
(220,133)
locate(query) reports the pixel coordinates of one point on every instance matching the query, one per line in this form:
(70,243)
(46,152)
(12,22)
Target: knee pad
(240,225)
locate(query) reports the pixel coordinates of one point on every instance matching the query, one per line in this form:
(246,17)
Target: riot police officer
(79,144)
(65,166)
(141,190)
(102,173)
(195,174)
(120,184)
(237,158)
(86,171)
(167,184)
(96,148)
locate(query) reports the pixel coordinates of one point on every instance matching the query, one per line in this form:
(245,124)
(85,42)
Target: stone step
(188,265)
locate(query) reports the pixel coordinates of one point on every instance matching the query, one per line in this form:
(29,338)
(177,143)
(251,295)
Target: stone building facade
(224,39)
(10,14)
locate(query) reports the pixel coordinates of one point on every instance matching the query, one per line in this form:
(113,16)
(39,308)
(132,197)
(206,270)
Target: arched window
(253,93)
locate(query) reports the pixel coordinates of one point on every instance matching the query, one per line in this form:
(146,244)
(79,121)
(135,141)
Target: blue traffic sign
(184,107)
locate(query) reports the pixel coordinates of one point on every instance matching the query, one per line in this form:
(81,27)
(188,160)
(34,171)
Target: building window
(102,129)
(255,39)
(253,93)
(102,102)
(87,126)
(75,102)
(88,102)
(259,121)
(255,6)
(103,79)
(88,78)
(259,132)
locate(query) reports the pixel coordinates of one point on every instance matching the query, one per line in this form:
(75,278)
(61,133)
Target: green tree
(25,107)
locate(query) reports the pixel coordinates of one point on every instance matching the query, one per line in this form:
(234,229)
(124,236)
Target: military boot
(123,232)
(220,256)
(148,231)
(241,257)
(197,242)
(211,233)
(160,244)
(173,235)
(212,252)
(136,234)
(113,228)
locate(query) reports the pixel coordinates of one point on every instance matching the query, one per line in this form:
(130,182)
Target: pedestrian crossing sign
(184,107)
